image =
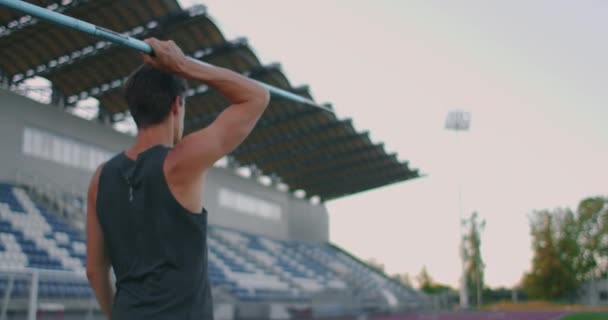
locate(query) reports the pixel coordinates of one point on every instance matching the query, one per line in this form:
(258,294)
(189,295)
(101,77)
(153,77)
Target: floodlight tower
(458,120)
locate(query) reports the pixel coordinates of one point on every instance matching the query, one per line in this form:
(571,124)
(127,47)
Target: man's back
(157,247)
(141,214)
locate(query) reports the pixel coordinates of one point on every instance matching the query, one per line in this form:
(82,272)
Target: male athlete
(145,215)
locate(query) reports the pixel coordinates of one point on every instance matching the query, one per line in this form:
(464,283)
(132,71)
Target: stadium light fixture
(121,39)
(458,120)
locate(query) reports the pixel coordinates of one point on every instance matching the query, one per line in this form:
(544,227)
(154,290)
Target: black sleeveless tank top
(158,249)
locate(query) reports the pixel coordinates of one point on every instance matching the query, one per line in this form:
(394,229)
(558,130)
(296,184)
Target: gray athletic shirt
(158,249)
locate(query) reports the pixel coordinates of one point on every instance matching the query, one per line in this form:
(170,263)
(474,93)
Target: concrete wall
(299,218)
(594,292)
(19,112)
(306,222)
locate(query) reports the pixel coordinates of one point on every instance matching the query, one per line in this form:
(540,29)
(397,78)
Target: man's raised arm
(201,149)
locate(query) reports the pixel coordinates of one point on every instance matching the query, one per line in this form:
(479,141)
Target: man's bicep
(203,148)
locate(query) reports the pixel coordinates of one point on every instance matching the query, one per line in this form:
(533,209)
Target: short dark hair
(150,93)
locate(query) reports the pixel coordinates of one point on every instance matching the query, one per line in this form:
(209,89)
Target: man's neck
(150,137)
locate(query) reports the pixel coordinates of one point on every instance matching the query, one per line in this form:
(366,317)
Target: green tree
(549,277)
(593,238)
(474,262)
(428,285)
(570,248)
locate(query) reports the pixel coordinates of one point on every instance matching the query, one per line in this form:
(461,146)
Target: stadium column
(255,172)
(57,97)
(104,116)
(232,163)
(275,180)
(5,81)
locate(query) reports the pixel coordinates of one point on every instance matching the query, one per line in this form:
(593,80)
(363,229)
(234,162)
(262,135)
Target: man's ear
(175,105)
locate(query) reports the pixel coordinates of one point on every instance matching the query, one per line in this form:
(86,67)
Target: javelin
(115,37)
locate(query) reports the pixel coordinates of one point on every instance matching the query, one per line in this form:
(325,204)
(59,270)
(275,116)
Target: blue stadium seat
(247,266)
(7,197)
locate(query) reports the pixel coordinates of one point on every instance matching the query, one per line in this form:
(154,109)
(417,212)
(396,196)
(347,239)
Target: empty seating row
(247,266)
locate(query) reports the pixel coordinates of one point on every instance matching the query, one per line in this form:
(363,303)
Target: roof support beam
(98,91)
(347,143)
(141,31)
(354,158)
(27,20)
(334,191)
(361,168)
(297,136)
(372,173)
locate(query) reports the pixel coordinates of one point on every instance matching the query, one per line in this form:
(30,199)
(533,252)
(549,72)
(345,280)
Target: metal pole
(459,120)
(33,306)
(127,41)
(464,294)
(7,296)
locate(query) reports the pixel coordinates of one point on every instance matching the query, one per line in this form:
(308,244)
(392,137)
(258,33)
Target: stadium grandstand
(269,249)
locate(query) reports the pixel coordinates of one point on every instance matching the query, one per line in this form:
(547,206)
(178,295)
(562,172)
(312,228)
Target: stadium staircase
(247,267)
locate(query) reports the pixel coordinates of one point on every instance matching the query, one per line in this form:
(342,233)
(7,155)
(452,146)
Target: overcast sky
(532,73)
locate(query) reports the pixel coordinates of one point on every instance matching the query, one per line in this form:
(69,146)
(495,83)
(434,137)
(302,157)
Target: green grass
(587,316)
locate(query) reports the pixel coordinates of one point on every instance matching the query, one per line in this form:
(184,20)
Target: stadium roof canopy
(306,148)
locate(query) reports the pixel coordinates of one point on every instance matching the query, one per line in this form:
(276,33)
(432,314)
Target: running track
(490,315)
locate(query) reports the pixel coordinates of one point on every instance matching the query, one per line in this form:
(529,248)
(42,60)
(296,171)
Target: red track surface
(490,315)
